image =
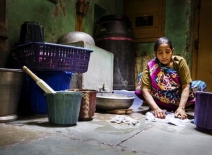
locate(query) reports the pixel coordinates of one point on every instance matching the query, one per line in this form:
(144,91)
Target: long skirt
(196,85)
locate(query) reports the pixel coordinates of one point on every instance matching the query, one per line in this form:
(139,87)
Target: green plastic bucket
(64,107)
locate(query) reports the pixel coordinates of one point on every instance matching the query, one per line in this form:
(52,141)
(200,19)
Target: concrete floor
(35,135)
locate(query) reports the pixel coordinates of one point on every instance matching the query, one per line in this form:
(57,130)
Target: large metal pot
(75,36)
(111,101)
(10,85)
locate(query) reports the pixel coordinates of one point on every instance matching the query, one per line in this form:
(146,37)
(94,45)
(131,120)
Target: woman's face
(164,54)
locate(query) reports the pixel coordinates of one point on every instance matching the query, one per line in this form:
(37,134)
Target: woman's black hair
(162,40)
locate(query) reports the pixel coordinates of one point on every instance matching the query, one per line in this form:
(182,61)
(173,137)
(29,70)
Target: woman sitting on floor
(166,82)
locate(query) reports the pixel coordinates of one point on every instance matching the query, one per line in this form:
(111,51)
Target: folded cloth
(124,119)
(170,118)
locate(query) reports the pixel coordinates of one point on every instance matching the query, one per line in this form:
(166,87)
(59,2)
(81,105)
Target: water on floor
(35,135)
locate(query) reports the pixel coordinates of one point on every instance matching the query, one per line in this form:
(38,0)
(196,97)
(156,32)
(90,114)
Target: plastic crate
(49,56)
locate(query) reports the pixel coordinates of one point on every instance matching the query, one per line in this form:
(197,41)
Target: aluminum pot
(10,85)
(111,101)
(75,36)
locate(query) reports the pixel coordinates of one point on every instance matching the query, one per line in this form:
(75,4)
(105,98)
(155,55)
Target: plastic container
(88,104)
(10,85)
(203,108)
(58,81)
(52,57)
(31,32)
(64,107)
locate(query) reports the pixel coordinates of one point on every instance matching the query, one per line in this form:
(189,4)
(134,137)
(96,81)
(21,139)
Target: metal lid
(10,70)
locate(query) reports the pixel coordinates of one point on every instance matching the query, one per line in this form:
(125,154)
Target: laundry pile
(124,119)
(170,118)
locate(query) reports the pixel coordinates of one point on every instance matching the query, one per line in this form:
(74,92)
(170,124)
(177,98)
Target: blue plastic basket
(58,81)
(52,57)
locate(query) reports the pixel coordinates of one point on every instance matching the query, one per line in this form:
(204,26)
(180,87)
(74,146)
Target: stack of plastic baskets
(53,63)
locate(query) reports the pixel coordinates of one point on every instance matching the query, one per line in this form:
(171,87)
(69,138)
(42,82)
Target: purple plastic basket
(49,56)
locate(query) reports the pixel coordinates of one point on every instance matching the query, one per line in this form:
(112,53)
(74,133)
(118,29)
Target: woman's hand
(149,99)
(180,112)
(159,113)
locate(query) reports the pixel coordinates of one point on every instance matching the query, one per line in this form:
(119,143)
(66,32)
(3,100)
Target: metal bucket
(10,85)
